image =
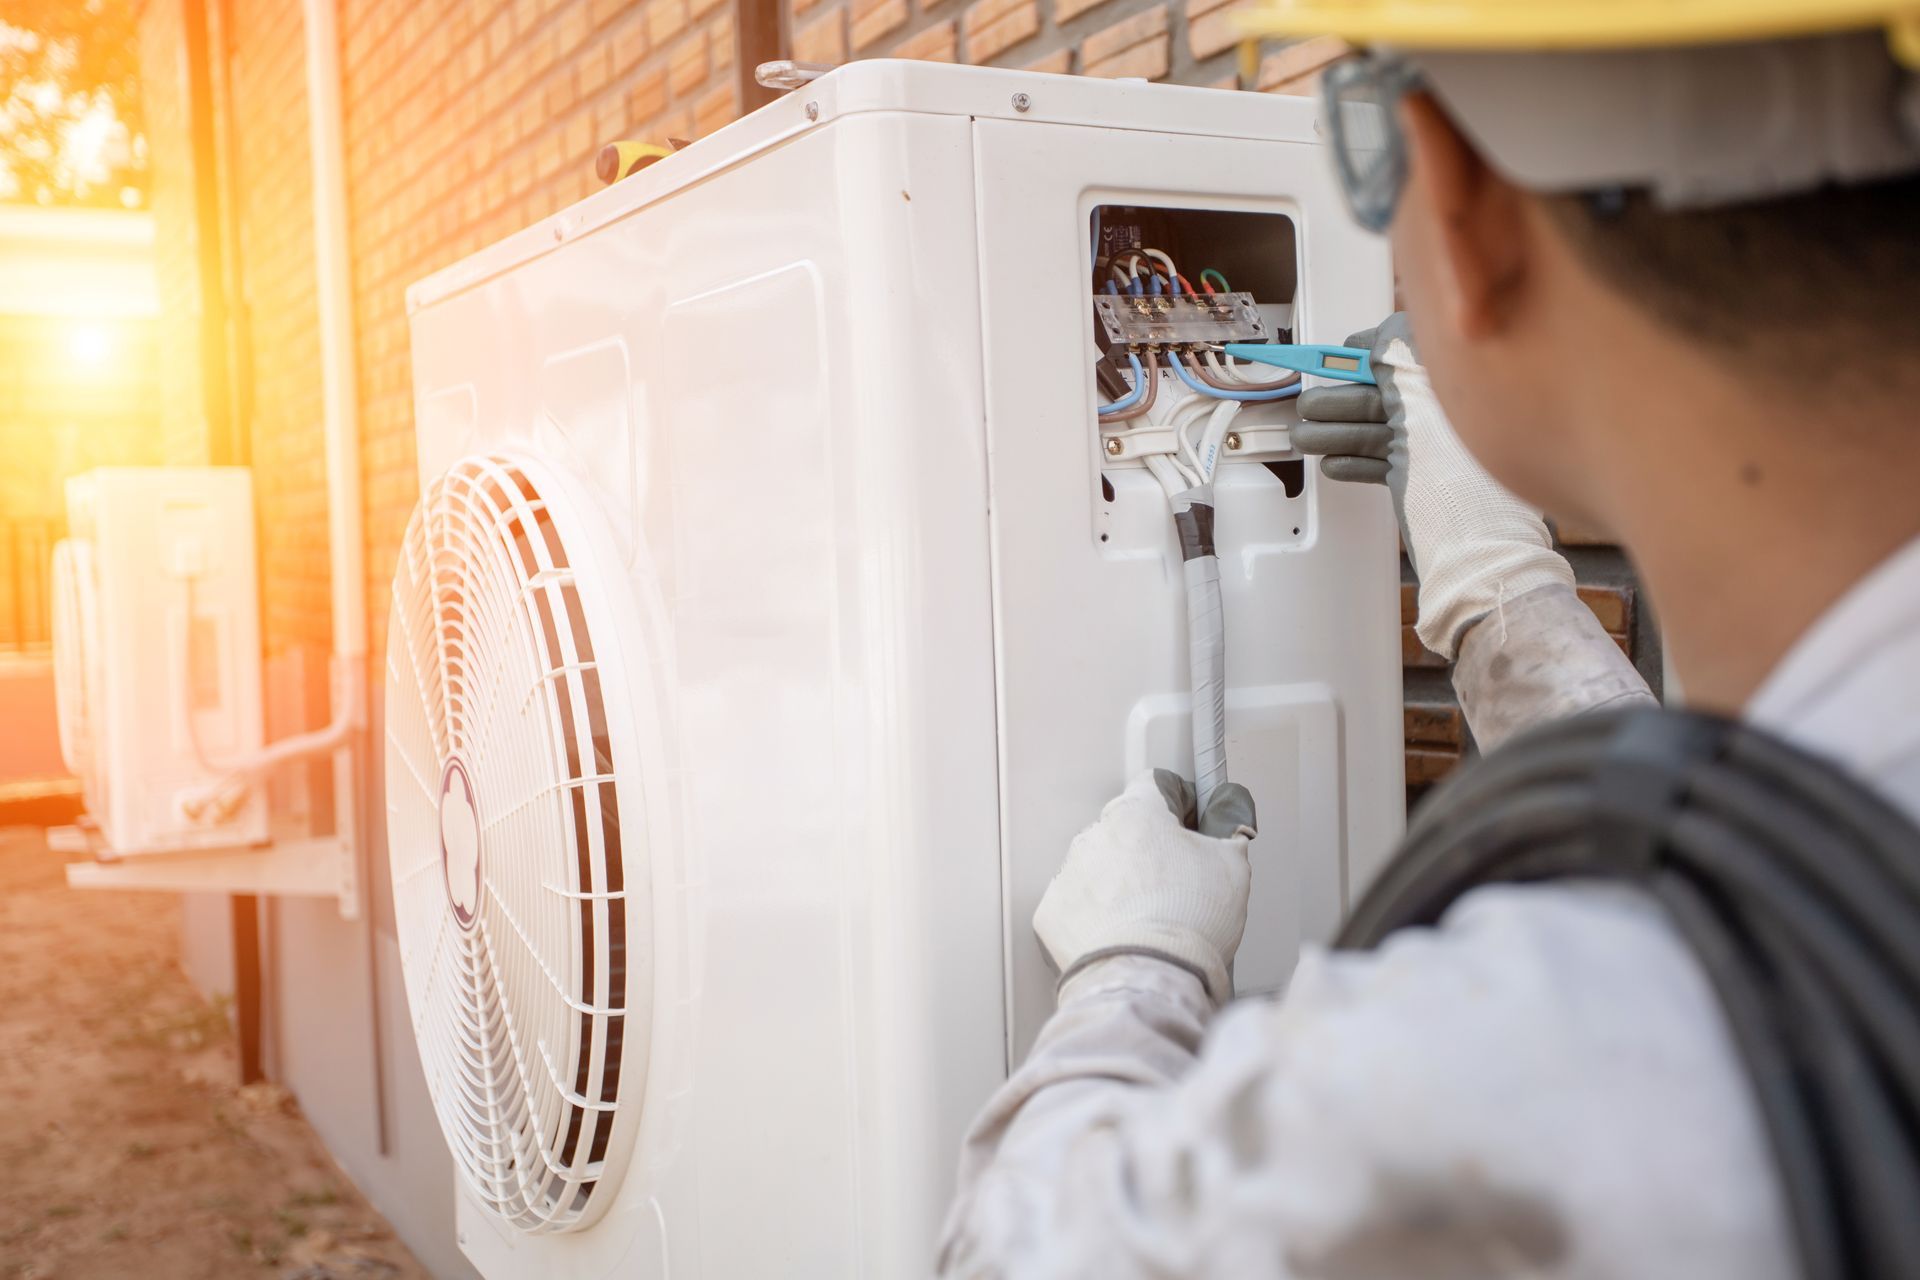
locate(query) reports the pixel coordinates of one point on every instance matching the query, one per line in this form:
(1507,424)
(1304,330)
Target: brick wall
(271,189)
(468,119)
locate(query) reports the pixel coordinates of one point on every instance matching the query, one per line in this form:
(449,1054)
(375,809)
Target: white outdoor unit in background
(775,612)
(157,657)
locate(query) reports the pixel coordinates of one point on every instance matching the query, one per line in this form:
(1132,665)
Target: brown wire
(1151,367)
(1206,375)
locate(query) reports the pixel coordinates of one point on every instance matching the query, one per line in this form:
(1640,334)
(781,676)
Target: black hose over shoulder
(1797,889)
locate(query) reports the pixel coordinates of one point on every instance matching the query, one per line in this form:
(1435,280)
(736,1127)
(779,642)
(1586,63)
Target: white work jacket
(1541,1086)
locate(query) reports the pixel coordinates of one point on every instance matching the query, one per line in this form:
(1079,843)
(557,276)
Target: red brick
(1573,534)
(1124,35)
(720,41)
(1434,724)
(1426,765)
(823,41)
(1612,605)
(677,124)
(665,20)
(629,44)
(1211,25)
(561,93)
(938,43)
(994,26)
(646,99)
(1300,62)
(714,110)
(595,70)
(687,68)
(1067,10)
(873,19)
(581,146)
(700,8)
(1148,61)
(1416,655)
(1057,63)
(574,26)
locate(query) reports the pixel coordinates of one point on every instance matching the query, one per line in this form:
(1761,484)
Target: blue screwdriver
(1347,364)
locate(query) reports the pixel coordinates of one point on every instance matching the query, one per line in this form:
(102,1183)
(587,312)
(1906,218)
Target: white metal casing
(827,376)
(175,633)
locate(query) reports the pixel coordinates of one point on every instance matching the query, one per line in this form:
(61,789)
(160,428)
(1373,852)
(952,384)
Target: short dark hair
(1828,280)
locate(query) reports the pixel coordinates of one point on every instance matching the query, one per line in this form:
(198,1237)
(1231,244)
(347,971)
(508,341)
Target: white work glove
(1474,545)
(1143,881)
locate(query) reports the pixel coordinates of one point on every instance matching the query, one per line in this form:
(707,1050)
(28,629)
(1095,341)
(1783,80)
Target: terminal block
(1176,319)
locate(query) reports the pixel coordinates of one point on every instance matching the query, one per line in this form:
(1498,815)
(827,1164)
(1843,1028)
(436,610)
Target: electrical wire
(1134,397)
(1145,406)
(1173,272)
(1226,377)
(1210,272)
(1206,455)
(1179,365)
(1798,891)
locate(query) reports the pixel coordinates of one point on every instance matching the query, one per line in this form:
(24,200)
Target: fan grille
(505,839)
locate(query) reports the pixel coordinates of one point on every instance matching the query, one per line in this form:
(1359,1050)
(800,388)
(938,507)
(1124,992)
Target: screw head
(813,111)
(1021,102)
(1233,439)
(1116,446)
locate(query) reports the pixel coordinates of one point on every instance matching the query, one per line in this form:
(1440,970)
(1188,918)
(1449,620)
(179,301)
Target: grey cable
(1795,887)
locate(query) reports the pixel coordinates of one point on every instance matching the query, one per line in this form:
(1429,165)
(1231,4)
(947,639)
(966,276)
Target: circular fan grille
(508,737)
(74,612)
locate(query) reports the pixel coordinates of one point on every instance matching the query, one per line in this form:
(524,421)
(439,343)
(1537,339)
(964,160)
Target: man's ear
(1479,229)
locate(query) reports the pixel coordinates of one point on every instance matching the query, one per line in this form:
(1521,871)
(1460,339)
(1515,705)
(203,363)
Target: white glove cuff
(1217,985)
(1455,596)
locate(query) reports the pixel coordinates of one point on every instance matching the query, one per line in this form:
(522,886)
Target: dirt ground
(125,1147)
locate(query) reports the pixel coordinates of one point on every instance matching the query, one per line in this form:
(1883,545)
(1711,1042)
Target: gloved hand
(1474,545)
(1144,881)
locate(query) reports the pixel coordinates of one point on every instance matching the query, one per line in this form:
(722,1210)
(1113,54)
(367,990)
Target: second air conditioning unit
(157,657)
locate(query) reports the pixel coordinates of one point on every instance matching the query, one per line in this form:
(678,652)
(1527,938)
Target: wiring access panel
(1170,288)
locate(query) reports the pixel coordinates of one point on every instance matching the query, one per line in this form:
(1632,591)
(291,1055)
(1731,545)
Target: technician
(1663,263)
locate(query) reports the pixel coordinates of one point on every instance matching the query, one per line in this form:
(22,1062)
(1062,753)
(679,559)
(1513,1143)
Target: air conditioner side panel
(797,461)
(170,652)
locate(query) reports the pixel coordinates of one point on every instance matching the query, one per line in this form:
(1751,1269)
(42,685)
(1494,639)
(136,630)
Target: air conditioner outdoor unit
(157,657)
(777,608)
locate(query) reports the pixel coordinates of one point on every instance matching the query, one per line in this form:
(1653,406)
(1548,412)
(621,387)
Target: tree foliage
(70,124)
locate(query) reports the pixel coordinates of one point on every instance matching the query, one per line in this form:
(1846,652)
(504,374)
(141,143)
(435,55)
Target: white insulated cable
(1215,436)
(1191,498)
(1226,370)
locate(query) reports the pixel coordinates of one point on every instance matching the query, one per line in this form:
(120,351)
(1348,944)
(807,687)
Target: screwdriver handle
(1346,364)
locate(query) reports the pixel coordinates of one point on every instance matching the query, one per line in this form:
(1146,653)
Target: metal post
(246,985)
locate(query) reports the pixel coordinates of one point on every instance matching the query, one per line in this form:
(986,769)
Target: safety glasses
(1359,100)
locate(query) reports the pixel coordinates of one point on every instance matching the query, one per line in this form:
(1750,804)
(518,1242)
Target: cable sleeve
(1206,639)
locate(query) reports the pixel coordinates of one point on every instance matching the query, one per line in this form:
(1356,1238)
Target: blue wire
(1180,367)
(1135,396)
(1113,286)
(1153,288)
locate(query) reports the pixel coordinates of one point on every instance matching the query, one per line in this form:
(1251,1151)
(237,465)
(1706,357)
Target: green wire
(1224,286)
